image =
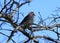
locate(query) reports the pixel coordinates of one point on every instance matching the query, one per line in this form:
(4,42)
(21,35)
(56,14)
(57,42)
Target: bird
(27,21)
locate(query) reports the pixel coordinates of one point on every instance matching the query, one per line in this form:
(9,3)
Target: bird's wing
(24,20)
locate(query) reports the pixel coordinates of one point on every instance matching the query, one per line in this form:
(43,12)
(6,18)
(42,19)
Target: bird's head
(31,14)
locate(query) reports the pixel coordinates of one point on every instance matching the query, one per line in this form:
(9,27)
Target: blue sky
(45,7)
